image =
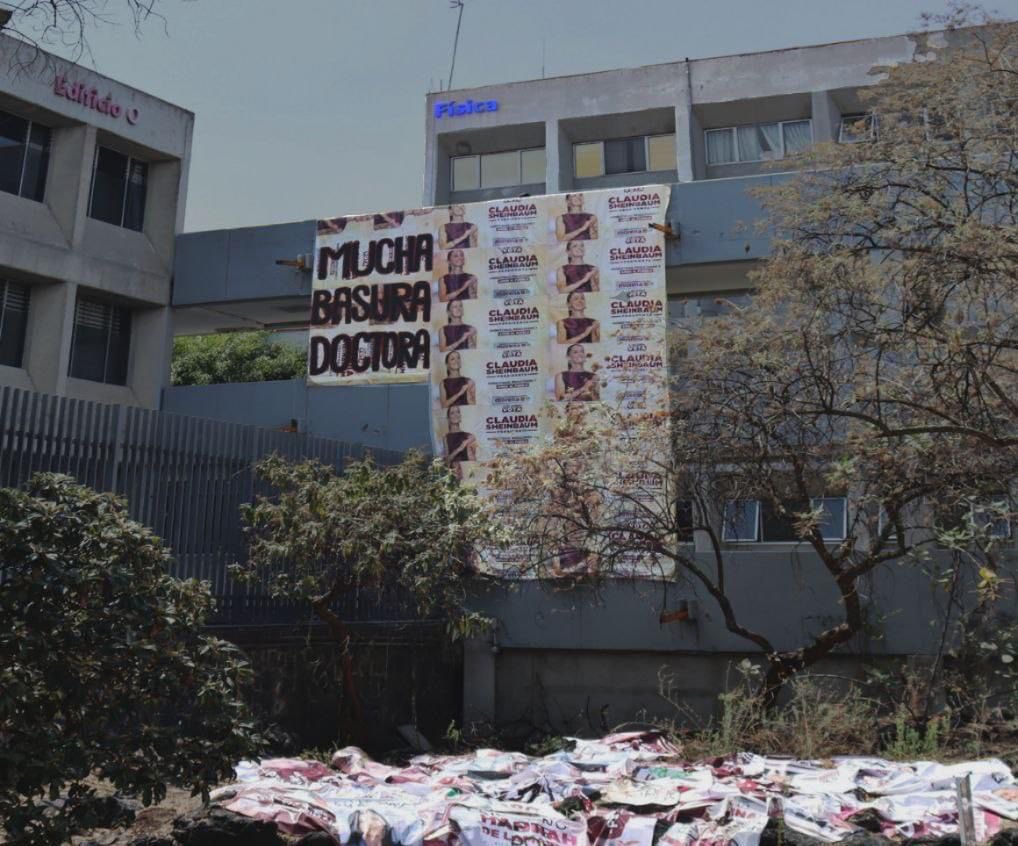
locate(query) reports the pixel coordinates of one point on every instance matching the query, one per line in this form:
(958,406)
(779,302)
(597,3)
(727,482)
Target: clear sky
(309,108)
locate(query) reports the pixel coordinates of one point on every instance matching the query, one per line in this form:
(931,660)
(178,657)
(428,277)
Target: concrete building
(93,177)
(712,129)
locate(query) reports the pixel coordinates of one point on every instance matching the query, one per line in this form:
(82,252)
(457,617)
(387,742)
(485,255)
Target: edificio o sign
(513,310)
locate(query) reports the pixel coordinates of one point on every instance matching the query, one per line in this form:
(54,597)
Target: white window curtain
(760,142)
(720,146)
(798,136)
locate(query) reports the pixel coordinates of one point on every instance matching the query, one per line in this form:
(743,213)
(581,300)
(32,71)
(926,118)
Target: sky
(314,108)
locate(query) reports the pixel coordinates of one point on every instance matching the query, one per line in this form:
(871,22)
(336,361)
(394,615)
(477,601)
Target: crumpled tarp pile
(630,789)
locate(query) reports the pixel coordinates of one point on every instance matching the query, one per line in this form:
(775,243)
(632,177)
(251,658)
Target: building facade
(714,129)
(93,179)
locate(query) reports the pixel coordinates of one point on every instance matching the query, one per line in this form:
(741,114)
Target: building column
(826,117)
(48,341)
(685,126)
(71,155)
(558,169)
(151,347)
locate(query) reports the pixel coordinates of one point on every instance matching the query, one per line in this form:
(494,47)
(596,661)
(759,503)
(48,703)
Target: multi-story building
(711,128)
(93,176)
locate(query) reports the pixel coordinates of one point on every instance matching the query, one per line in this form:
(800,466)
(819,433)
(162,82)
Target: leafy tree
(322,534)
(104,667)
(878,360)
(234,357)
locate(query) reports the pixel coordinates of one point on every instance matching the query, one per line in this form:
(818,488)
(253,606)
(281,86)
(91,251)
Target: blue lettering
(452,108)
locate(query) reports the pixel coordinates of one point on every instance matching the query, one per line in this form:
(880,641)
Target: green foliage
(911,743)
(103,664)
(234,357)
(372,527)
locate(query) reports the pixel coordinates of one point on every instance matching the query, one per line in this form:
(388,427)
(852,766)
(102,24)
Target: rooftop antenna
(455,4)
(544,43)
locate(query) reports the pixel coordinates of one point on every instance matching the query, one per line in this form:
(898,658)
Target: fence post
(117,453)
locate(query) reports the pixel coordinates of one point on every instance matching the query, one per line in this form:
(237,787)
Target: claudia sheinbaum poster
(513,310)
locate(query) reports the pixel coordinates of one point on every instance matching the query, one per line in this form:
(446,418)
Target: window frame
(480,170)
(130,160)
(112,307)
(29,126)
(735,140)
(760,541)
(5,297)
(601,142)
(855,117)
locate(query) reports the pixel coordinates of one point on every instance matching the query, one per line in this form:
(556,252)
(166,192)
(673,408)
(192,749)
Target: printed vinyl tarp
(631,789)
(515,311)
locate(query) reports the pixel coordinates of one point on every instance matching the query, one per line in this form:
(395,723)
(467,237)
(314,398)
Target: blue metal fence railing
(185,477)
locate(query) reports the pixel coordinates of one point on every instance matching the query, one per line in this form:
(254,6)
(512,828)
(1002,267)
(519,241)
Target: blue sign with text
(452,108)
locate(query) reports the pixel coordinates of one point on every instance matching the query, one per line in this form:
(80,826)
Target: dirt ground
(154,821)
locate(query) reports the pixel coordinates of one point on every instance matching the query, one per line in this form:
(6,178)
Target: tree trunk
(351,713)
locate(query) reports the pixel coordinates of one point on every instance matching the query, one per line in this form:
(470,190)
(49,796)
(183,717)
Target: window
(118,189)
(24,156)
(882,520)
(498,170)
(857,128)
(684,521)
(101,342)
(639,154)
(741,520)
(753,520)
(758,142)
(13,322)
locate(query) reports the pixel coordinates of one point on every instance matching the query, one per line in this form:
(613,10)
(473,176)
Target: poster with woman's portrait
(577,216)
(574,266)
(456,275)
(578,318)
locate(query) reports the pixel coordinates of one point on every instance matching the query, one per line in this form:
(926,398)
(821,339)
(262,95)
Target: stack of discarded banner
(630,789)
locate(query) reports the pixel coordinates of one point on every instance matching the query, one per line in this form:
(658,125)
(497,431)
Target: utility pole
(455,4)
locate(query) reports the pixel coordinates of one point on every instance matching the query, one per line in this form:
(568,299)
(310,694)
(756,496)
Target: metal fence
(185,477)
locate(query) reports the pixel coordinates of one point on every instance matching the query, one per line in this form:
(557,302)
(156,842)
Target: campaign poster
(515,311)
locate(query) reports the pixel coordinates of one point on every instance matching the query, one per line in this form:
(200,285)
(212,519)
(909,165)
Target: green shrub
(234,357)
(104,666)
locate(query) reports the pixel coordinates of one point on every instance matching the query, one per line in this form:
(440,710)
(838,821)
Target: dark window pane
(108,186)
(13,322)
(779,527)
(13,131)
(101,344)
(624,155)
(833,518)
(88,346)
(684,520)
(134,209)
(740,520)
(119,348)
(33,185)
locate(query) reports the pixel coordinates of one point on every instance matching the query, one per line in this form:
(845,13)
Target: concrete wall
(561,652)
(383,417)
(58,250)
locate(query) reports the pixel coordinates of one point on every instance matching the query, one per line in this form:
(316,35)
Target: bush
(104,667)
(815,719)
(234,357)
